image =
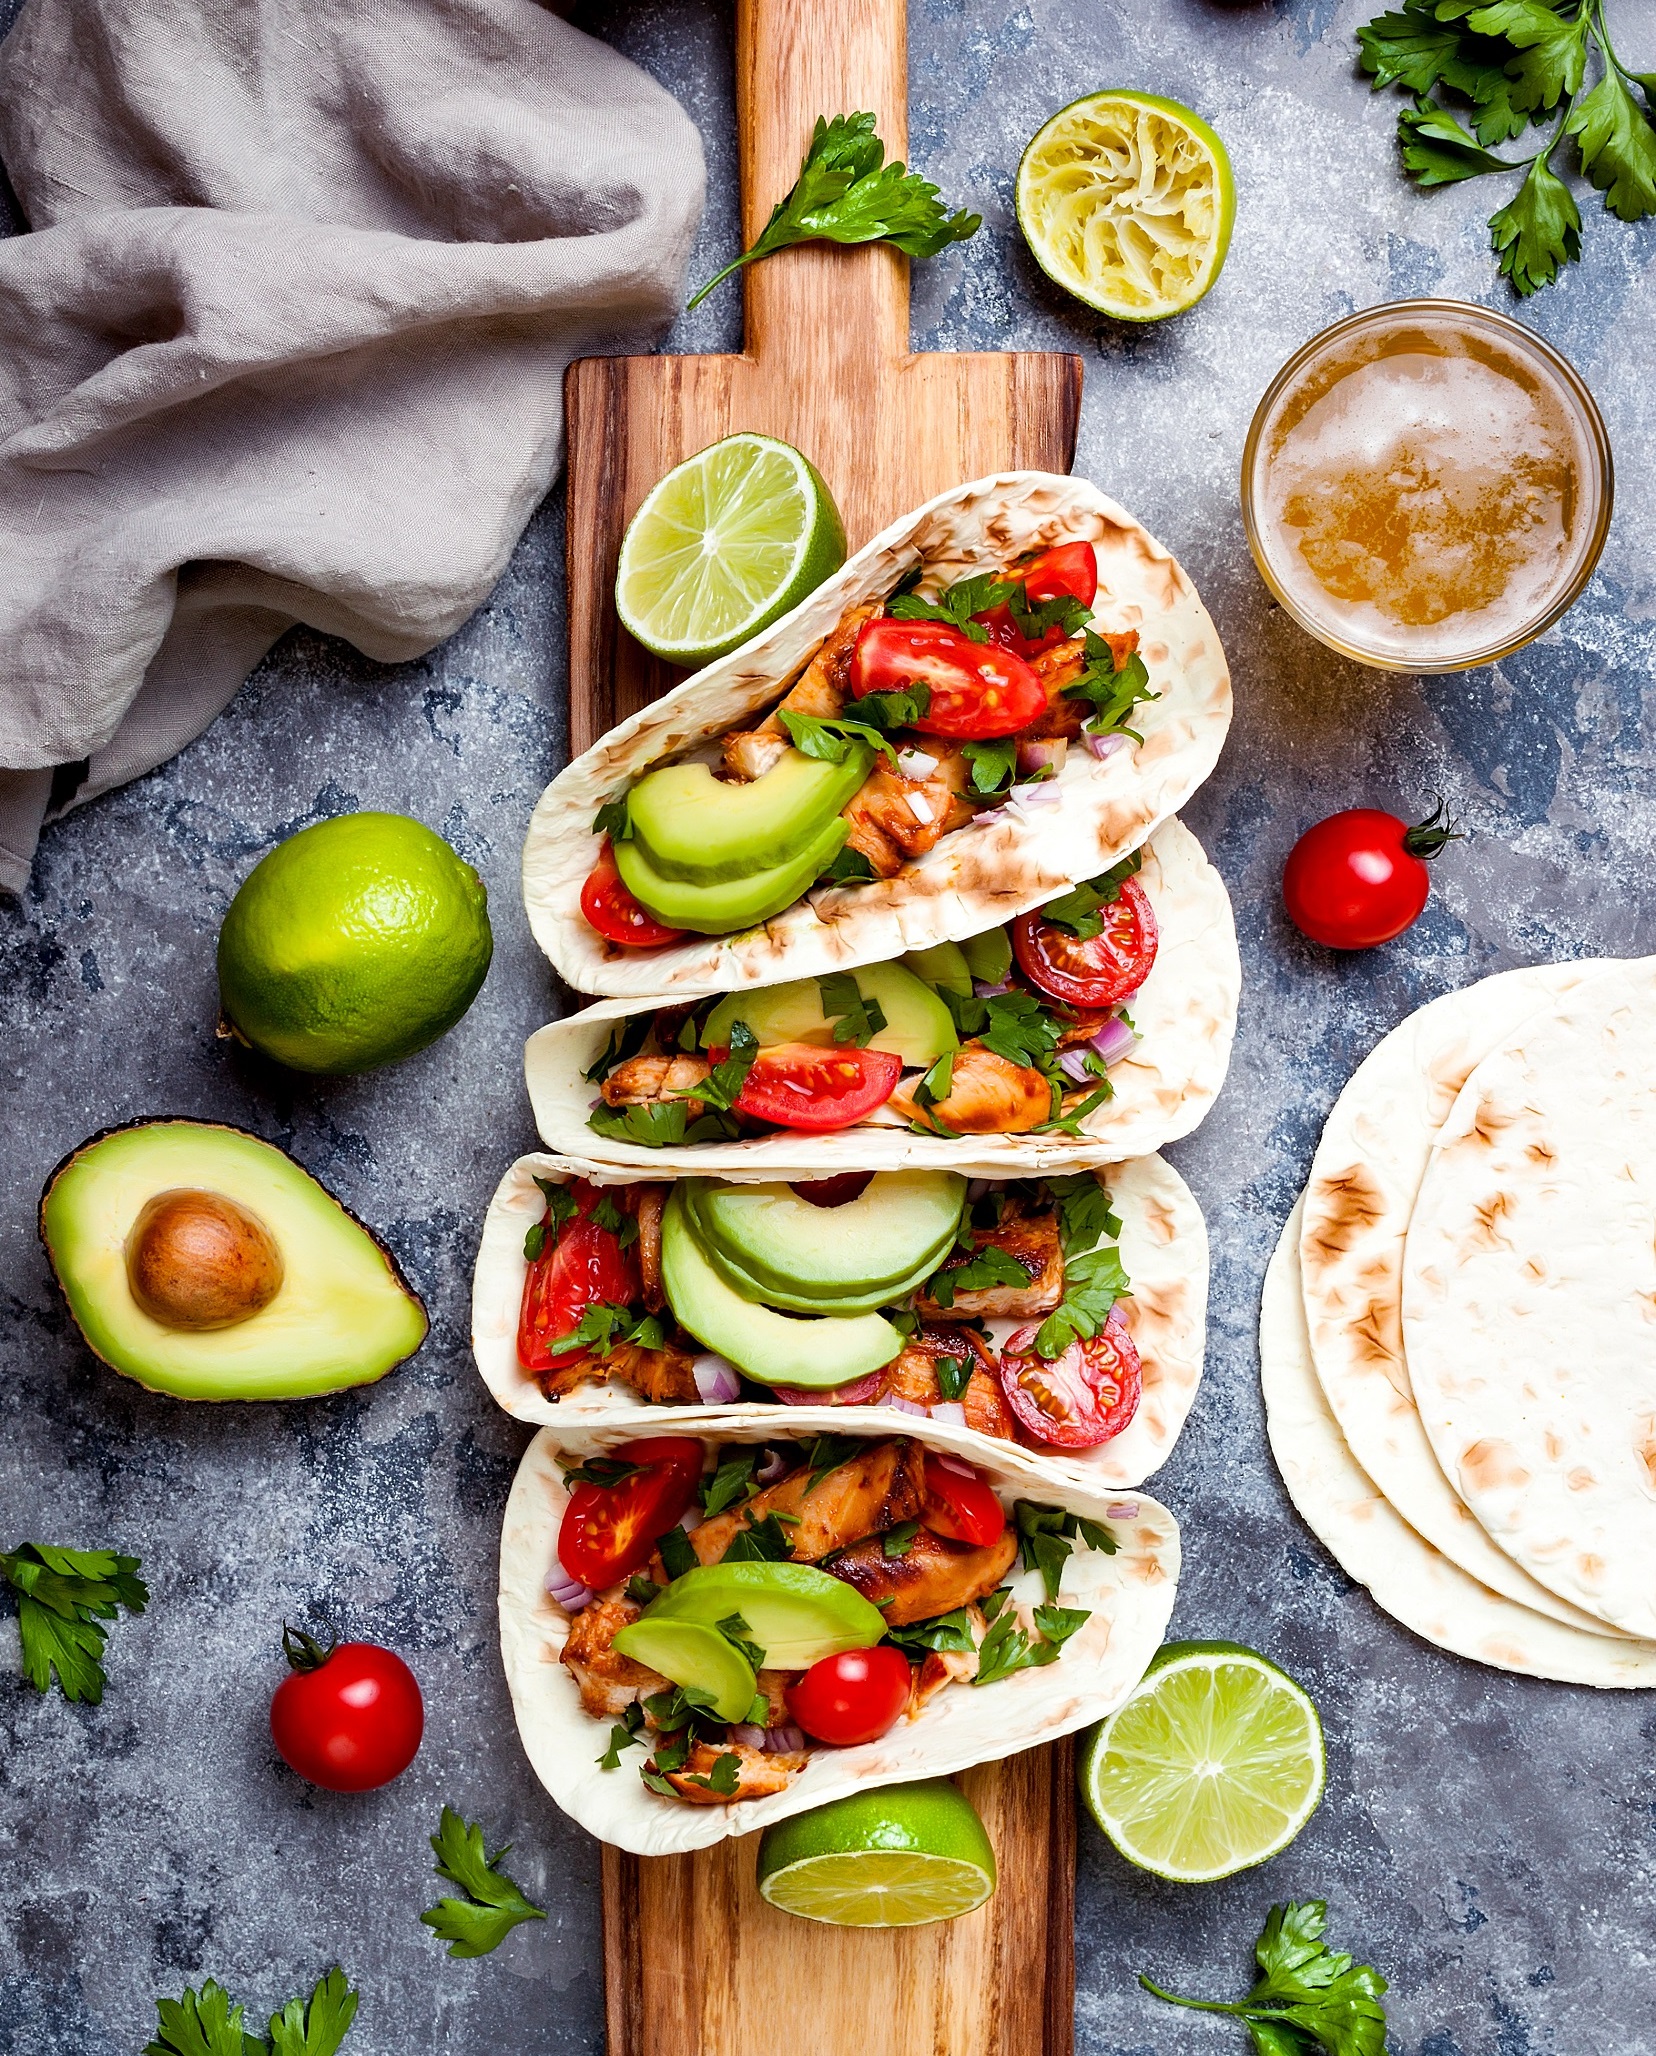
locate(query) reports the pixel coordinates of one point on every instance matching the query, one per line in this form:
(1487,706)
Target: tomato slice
(978,690)
(610,908)
(1070,568)
(584,1264)
(609,1531)
(853,1697)
(963,1508)
(1100,972)
(798,1085)
(1081,1398)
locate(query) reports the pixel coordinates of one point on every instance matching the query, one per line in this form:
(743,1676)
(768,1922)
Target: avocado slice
(702,830)
(850,1258)
(773,1348)
(989,955)
(943,965)
(919,1027)
(794,1612)
(205,1263)
(736,903)
(690,1654)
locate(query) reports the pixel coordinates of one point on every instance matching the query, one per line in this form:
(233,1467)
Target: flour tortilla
(1361,1192)
(1371,1541)
(1074,827)
(1163,1246)
(1185,1013)
(1529,1297)
(1130,1596)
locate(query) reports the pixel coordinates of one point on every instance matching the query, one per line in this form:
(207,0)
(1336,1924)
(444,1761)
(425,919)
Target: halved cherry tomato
(1100,972)
(610,908)
(798,1085)
(853,1697)
(585,1264)
(609,1531)
(1081,1398)
(961,1507)
(978,690)
(1070,568)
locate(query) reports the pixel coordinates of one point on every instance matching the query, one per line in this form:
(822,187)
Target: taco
(1093,1029)
(675,1611)
(1060,1316)
(1005,692)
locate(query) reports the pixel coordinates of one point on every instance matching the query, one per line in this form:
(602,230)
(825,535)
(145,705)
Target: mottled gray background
(1491,1843)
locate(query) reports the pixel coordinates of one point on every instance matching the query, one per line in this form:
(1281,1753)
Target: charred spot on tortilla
(1490,1464)
(1487,1216)
(1344,1207)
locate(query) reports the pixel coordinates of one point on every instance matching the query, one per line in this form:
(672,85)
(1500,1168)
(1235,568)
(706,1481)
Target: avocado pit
(200,1260)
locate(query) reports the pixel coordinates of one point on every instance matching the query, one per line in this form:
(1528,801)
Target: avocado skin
(736,903)
(700,831)
(334,1371)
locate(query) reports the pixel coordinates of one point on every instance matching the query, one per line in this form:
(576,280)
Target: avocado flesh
(794,1612)
(690,1654)
(989,955)
(943,965)
(764,1293)
(342,1315)
(701,830)
(895,1232)
(919,1027)
(773,1348)
(737,903)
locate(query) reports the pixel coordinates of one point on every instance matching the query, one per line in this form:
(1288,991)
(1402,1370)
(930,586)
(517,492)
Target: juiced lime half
(897,1857)
(1126,201)
(723,546)
(1213,1765)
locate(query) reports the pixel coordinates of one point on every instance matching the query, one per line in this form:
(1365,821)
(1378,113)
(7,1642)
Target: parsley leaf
(561,1206)
(985,1268)
(847,193)
(856,1020)
(1618,147)
(1538,230)
(849,867)
(1437,151)
(827,1453)
(627,1038)
(956,605)
(1092,1285)
(622,1736)
(603,1324)
(202,2023)
(723,1085)
(994,764)
(954,1374)
(1113,691)
(1008,1647)
(63,1596)
(677,1711)
(1085,1212)
(724,1776)
(642,1589)
(1046,1538)
(945,1631)
(603,1471)
(677,1554)
(663,1125)
(1551,51)
(612,819)
(316,2027)
(899,708)
(900,1539)
(732,1480)
(1077,909)
(760,1542)
(739,1635)
(493,1904)
(832,737)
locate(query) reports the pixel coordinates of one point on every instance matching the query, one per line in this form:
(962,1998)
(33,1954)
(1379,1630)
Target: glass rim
(1596,436)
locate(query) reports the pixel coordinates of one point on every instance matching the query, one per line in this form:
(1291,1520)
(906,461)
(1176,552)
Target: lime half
(1213,1765)
(1126,201)
(726,543)
(892,1858)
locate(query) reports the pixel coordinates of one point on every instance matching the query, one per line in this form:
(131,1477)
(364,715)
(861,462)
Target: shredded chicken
(940,1667)
(609,1682)
(879,1487)
(819,690)
(987,1096)
(665,1376)
(643,1081)
(649,1203)
(896,819)
(1029,1236)
(932,1576)
(757,1775)
(913,1376)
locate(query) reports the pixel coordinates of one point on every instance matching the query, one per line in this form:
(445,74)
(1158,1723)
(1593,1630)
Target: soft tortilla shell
(975,877)
(1130,1596)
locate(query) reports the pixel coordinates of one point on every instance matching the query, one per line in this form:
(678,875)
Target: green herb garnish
(603,1324)
(661,1125)
(739,1635)
(1077,909)
(626,1039)
(945,1631)
(722,1086)
(856,1020)
(900,1539)
(1113,690)
(622,1736)
(954,1373)
(849,867)
(206,2023)
(1046,1537)
(612,819)
(760,1542)
(63,1598)
(677,1554)
(733,1480)
(723,1778)
(605,1472)
(1008,1648)
(832,737)
(561,1206)
(994,764)
(493,1904)
(988,1267)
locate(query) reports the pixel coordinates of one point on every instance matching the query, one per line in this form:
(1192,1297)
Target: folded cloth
(287,340)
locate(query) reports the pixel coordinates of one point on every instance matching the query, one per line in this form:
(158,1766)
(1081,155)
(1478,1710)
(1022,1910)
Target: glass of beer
(1426,486)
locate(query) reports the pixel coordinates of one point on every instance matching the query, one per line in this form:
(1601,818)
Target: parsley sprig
(958,605)
(1078,909)
(664,1124)
(856,1020)
(1113,690)
(832,737)
(1009,1647)
(1047,1535)
(1094,1276)
(63,1598)
(210,2023)
(494,1903)
(603,1324)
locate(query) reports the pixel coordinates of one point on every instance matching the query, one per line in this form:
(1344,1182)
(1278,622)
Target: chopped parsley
(994,764)
(1092,1285)
(677,1553)
(603,1324)
(1008,1648)
(739,1635)
(899,708)
(1112,692)
(832,738)
(986,1268)
(612,819)
(722,1086)
(856,1020)
(561,1206)
(954,1373)
(1046,1536)
(622,1736)
(945,1632)
(849,867)
(760,1542)
(900,1539)
(1077,909)
(605,1472)
(663,1125)
(723,1777)
(733,1480)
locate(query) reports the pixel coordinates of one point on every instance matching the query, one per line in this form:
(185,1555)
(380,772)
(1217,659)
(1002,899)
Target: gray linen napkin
(287,341)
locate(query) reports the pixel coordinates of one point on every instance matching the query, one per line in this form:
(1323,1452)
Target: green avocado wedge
(701,830)
(794,1612)
(737,903)
(773,1348)
(943,966)
(852,1258)
(989,955)
(333,1309)
(690,1653)
(919,1027)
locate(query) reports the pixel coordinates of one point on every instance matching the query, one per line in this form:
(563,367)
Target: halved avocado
(205,1263)
(735,903)
(919,1027)
(690,1654)
(850,1258)
(794,1612)
(706,831)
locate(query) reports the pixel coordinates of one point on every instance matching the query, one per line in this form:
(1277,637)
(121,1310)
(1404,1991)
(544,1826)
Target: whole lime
(354,943)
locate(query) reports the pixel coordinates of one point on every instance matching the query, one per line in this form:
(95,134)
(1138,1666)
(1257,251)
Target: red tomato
(1360,878)
(611,909)
(1101,972)
(584,1265)
(608,1531)
(348,1718)
(1081,1398)
(963,1508)
(1071,568)
(798,1085)
(853,1697)
(978,690)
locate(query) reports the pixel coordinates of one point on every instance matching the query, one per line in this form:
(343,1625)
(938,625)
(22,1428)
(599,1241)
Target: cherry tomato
(348,1717)
(853,1697)
(585,1264)
(611,909)
(1100,972)
(978,690)
(608,1531)
(1070,568)
(798,1085)
(963,1508)
(1081,1398)
(1360,878)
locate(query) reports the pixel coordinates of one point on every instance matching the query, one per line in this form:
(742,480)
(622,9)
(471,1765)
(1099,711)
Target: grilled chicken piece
(877,1488)
(932,1575)
(820,690)
(987,1095)
(896,819)
(609,1682)
(748,753)
(757,1776)
(774,1685)
(1081,1026)
(1029,1236)
(913,1376)
(649,1203)
(643,1081)
(940,1667)
(665,1376)
(1062,665)
(584,1371)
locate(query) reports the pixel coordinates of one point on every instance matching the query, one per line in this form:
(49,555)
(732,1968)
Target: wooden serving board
(695,1962)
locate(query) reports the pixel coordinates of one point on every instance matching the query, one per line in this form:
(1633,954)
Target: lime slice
(1213,1765)
(892,1858)
(1126,201)
(726,543)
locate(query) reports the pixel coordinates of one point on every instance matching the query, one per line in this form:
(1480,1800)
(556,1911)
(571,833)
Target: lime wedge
(1213,1765)
(897,1857)
(723,546)
(1126,201)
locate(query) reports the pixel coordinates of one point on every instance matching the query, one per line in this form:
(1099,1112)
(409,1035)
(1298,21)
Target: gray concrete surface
(1489,1842)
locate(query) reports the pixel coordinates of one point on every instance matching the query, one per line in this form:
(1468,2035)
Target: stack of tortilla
(1458,1336)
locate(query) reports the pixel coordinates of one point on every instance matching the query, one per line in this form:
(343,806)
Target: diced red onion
(952,1463)
(568,1592)
(746,1736)
(691,1519)
(1113,1041)
(905,1406)
(785,1741)
(1026,796)
(1122,1513)
(774,1465)
(915,763)
(1047,755)
(717,1380)
(976,1188)
(1103,746)
(982,989)
(1073,1064)
(854,1394)
(950,1410)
